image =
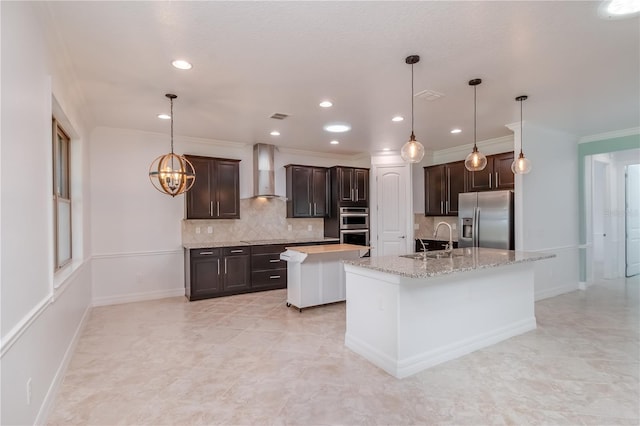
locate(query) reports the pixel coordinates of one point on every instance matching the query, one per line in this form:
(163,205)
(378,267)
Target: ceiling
(252,59)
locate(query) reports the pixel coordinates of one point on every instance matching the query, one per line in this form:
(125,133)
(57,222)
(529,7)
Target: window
(61,196)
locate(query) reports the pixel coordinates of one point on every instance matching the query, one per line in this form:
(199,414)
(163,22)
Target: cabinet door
(205,276)
(455,184)
(319,192)
(227,190)
(481,180)
(236,272)
(301,191)
(434,180)
(345,184)
(361,178)
(503,177)
(198,198)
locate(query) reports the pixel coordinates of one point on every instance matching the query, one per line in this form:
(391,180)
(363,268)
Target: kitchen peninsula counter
(405,315)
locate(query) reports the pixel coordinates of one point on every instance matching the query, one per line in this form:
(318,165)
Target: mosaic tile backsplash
(260,219)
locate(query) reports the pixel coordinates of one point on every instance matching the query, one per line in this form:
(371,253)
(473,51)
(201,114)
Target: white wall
(136,230)
(547,208)
(41,314)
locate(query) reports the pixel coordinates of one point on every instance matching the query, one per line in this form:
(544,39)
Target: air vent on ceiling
(429,95)
(279,116)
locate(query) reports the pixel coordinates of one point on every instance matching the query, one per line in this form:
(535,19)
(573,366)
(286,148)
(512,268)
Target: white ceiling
(252,59)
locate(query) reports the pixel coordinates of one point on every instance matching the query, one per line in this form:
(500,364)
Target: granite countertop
(462,260)
(218,244)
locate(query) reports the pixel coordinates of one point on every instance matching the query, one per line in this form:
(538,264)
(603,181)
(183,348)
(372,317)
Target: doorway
(632,220)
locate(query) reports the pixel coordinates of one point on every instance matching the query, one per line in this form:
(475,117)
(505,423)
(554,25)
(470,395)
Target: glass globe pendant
(521,165)
(476,160)
(172,174)
(412,151)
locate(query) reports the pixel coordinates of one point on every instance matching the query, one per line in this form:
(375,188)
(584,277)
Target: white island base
(405,325)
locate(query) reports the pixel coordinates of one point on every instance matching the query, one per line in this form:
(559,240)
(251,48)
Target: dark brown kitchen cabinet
(496,175)
(216,191)
(268,271)
(350,186)
(212,272)
(307,194)
(442,185)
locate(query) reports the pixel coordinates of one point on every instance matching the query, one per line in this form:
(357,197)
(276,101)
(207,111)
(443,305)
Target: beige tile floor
(250,360)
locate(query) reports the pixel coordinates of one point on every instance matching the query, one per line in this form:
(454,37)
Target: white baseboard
(49,399)
(138,297)
(409,366)
(556,291)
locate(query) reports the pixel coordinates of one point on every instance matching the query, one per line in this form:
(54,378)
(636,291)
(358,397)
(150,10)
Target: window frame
(61,170)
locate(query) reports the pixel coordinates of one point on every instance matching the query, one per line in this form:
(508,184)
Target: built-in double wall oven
(354,225)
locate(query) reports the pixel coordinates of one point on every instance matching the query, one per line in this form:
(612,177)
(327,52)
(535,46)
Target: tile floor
(250,360)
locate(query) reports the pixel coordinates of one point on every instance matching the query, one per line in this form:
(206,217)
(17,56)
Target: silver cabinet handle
(210,208)
(356,195)
(274,277)
(446,207)
(497,179)
(441,207)
(352,198)
(315,209)
(218,266)
(218,207)
(225,265)
(274,261)
(237,251)
(490,180)
(206,253)
(310,208)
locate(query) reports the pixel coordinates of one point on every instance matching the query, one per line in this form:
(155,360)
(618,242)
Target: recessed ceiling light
(397,118)
(182,64)
(164,116)
(619,9)
(337,127)
(334,142)
(326,104)
(275,133)
(456,131)
(386,149)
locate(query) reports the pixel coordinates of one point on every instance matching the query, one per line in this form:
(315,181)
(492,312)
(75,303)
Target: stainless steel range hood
(264,183)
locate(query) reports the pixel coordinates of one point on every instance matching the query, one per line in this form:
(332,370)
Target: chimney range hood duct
(264,184)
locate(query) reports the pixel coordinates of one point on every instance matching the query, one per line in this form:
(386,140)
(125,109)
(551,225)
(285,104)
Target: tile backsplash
(427,223)
(260,219)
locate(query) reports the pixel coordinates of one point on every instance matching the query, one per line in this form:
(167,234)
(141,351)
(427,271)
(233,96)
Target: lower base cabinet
(216,272)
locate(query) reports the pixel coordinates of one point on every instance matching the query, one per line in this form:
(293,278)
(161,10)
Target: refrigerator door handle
(476,223)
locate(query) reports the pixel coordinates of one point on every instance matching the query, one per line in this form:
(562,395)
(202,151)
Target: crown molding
(303,152)
(610,135)
(489,146)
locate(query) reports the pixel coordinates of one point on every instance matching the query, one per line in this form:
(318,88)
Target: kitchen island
(405,314)
(315,273)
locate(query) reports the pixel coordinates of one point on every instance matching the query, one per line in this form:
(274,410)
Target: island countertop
(462,260)
(327,248)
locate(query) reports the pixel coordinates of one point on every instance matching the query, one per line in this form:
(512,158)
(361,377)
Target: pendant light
(412,151)
(476,160)
(521,165)
(172,174)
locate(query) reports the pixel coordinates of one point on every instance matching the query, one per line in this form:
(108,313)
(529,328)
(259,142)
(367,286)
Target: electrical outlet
(29,391)
(209,229)
(289,227)
(197,229)
(309,227)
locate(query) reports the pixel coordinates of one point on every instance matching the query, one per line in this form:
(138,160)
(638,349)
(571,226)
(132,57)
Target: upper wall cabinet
(442,185)
(350,186)
(216,192)
(497,175)
(307,194)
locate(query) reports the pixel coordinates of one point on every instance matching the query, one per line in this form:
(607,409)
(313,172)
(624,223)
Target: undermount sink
(431,255)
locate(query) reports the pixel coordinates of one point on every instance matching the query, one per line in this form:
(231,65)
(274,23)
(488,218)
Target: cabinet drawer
(267,261)
(236,251)
(271,248)
(205,252)
(274,278)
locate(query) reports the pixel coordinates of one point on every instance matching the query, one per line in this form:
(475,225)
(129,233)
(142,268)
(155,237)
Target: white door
(392,210)
(632,209)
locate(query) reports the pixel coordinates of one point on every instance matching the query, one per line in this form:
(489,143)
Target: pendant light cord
(171,99)
(475,115)
(521,138)
(411,98)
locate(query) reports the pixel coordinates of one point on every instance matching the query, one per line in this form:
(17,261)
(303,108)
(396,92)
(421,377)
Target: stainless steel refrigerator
(485,219)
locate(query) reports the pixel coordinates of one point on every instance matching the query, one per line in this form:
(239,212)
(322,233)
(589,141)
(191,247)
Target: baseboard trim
(138,297)
(49,399)
(556,291)
(412,365)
